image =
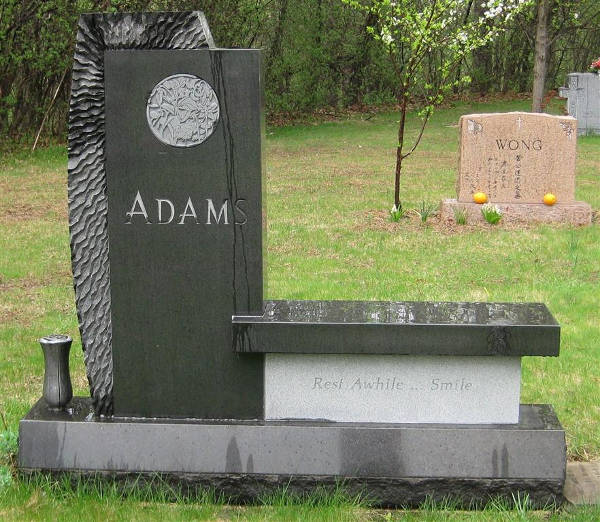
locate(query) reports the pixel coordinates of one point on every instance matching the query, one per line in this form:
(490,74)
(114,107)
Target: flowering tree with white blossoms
(426,41)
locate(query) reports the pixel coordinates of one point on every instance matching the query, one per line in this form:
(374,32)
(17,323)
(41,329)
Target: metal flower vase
(57,379)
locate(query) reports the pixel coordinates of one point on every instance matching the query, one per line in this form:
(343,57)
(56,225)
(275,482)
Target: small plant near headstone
(397,213)
(491,213)
(595,65)
(460,215)
(426,210)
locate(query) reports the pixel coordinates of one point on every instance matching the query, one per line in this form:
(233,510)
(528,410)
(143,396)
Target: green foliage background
(317,52)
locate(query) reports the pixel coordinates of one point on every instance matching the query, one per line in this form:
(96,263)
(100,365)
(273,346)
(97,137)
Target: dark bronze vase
(57,379)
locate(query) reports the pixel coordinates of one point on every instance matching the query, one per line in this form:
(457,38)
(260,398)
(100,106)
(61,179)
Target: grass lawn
(329,191)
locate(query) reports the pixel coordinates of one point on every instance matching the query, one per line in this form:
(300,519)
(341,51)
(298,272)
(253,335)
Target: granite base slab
(576,213)
(396,464)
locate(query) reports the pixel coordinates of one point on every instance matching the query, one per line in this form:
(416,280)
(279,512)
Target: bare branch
(418,140)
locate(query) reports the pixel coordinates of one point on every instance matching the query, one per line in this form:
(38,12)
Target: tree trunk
(275,52)
(460,63)
(399,157)
(361,59)
(541,54)
(483,72)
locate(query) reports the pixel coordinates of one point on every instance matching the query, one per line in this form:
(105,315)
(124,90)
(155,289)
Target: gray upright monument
(194,376)
(583,101)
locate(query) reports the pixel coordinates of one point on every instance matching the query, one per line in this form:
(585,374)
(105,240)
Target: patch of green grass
(329,193)
(43,497)
(321,504)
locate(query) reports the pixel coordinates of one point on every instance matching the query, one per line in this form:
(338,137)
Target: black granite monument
(166,217)
(184,229)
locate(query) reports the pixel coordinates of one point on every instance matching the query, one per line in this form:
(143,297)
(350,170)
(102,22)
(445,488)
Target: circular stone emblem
(182,110)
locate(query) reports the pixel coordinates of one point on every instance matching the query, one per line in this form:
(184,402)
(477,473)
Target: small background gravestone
(515,159)
(583,101)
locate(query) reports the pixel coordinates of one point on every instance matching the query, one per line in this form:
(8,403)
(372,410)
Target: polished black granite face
(185,231)
(399,328)
(406,312)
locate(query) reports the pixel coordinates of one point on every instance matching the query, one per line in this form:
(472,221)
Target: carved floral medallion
(182,110)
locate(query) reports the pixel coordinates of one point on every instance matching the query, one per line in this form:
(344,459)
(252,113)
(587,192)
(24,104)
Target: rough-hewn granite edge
(239,488)
(87,178)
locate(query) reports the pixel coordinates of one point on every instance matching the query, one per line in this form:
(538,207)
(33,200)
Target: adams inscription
(164,211)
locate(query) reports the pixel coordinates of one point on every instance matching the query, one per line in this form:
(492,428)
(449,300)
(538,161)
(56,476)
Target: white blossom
(386,38)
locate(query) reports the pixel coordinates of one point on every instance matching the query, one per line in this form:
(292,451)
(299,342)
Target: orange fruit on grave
(549,198)
(479,197)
